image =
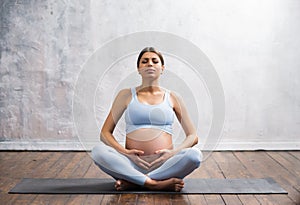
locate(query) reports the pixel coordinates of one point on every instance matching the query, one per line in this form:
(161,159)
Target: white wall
(254,47)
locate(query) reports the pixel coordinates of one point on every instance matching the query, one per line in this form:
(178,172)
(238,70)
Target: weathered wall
(254,46)
(43,44)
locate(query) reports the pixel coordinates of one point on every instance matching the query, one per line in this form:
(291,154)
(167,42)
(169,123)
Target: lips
(149,69)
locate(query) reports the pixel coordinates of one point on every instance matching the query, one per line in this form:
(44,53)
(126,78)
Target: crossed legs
(128,175)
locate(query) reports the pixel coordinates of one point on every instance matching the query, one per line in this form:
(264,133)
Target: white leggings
(120,167)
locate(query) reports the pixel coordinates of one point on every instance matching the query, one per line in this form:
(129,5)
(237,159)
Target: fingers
(144,166)
(142,163)
(137,152)
(160,151)
(158,160)
(156,163)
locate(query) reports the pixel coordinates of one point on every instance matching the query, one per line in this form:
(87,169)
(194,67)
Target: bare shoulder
(174,94)
(124,96)
(124,92)
(176,99)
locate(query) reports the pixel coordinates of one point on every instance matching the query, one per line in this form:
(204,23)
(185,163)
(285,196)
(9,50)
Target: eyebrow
(149,58)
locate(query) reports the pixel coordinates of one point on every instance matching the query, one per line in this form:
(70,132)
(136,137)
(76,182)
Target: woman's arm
(118,107)
(186,123)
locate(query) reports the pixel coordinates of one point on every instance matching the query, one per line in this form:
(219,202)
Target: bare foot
(122,185)
(173,184)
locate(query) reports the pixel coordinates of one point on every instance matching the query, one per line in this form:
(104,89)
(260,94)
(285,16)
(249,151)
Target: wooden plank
(211,170)
(8,160)
(214,199)
(59,200)
(16,170)
(81,166)
(292,166)
(93,199)
(44,171)
(162,199)
(42,199)
(77,169)
(128,199)
(233,168)
(288,181)
(4,196)
(282,166)
(295,154)
(69,166)
(201,172)
(145,199)
(249,199)
(95,172)
(53,169)
(197,199)
(225,166)
(92,172)
(256,167)
(274,200)
(288,162)
(179,199)
(76,199)
(29,161)
(60,164)
(232,199)
(260,165)
(111,199)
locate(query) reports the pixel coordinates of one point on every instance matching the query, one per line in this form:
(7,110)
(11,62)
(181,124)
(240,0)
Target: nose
(150,63)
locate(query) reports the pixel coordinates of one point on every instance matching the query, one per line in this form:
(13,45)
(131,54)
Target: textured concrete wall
(43,44)
(254,46)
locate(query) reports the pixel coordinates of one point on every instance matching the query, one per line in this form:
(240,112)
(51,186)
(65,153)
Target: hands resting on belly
(149,162)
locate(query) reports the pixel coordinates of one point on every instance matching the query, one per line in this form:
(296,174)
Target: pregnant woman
(149,158)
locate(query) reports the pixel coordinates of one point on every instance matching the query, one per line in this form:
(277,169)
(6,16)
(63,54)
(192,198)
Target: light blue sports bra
(139,115)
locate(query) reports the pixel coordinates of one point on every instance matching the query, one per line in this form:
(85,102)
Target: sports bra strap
(166,97)
(133,93)
(167,93)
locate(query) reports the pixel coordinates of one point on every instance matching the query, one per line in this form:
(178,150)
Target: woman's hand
(165,154)
(133,155)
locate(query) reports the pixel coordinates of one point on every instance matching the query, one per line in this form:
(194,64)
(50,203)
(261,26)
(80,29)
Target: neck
(150,83)
(149,86)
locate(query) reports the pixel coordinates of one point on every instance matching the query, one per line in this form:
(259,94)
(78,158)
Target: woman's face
(150,64)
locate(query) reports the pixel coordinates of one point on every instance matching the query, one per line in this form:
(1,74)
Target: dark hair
(150,49)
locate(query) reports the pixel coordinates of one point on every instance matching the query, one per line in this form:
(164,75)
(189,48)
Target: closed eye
(154,60)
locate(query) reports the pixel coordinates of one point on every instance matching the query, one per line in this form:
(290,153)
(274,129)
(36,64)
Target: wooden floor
(283,167)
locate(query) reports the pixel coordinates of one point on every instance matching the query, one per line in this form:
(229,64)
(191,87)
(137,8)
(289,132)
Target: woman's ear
(162,69)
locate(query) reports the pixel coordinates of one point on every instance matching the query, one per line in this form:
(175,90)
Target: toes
(118,185)
(178,189)
(179,186)
(178,181)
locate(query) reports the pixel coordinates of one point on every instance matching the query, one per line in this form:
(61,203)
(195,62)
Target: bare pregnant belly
(149,140)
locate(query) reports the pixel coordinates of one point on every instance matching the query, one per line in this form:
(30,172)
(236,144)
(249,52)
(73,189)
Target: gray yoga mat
(106,186)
